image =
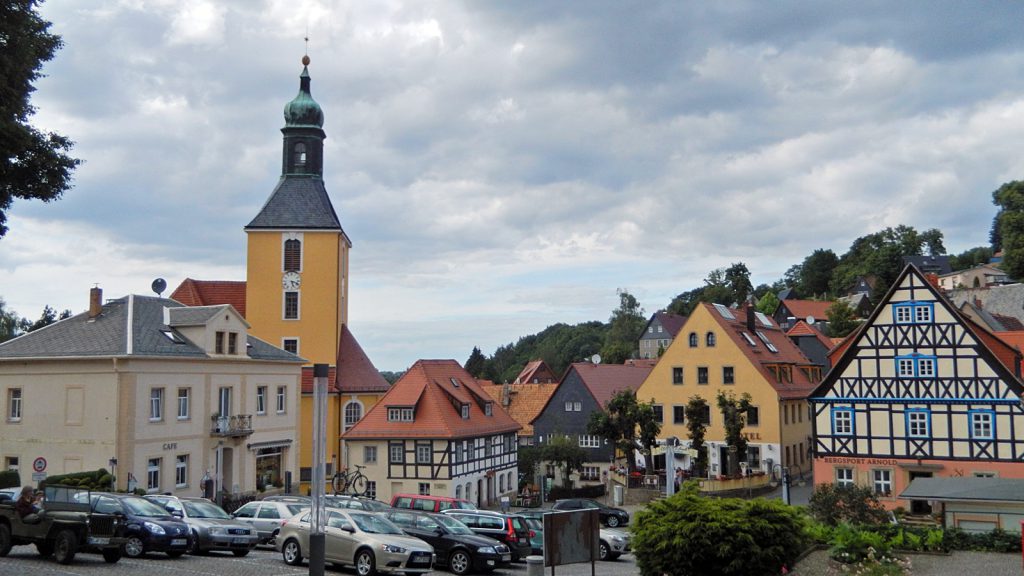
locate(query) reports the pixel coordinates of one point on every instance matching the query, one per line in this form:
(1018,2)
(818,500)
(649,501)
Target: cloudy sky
(502,166)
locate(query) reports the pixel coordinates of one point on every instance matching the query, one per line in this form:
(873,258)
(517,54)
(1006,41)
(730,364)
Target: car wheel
(613,521)
(65,547)
(175,553)
(111,555)
(366,564)
(133,547)
(292,552)
(459,562)
(602,551)
(5,540)
(240,553)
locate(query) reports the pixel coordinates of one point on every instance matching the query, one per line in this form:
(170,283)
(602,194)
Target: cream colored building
(175,394)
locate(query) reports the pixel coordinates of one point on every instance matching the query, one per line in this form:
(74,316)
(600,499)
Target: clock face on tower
(291,281)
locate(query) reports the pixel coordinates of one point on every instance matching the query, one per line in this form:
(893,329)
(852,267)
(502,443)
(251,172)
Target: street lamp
(784,476)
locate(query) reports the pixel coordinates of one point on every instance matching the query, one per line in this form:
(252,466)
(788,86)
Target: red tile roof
(210,292)
(358,374)
(802,328)
(605,380)
(525,401)
(428,387)
(804,308)
(307,380)
(764,359)
(536,370)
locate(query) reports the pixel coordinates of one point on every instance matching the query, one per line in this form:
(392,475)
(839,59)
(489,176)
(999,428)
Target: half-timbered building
(436,432)
(920,390)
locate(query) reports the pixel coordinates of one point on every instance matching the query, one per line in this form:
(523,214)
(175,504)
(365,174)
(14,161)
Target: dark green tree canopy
(1008,227)
(816,273)
(565,453)
(476,363)
(841,319)
(625,423)
(624,328)
(33,164)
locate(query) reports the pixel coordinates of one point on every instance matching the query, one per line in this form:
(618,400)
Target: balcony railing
(233,426)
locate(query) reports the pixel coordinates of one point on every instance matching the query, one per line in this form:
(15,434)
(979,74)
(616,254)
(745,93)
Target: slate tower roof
(300,200)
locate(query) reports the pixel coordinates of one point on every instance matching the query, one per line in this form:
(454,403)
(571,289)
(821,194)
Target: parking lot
(24,561)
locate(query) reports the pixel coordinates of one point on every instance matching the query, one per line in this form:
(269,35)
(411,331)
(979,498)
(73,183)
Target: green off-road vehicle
(64,527)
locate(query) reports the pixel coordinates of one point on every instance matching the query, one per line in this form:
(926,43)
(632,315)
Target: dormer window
(300,155)
(232,343)
(455,382)
(465,411)
(488,411)
(400,414)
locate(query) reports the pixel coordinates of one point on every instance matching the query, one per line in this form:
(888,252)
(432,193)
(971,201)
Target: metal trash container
(618,495)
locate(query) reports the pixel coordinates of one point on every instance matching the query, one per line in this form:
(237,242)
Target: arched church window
(300,154)
(292,255)
(353,412)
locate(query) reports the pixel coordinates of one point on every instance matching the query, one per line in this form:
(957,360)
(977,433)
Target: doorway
(920,507)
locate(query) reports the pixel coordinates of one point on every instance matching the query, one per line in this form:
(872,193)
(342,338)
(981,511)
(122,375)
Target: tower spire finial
(305,57)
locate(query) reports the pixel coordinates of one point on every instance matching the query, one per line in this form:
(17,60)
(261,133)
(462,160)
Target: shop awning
(269,444)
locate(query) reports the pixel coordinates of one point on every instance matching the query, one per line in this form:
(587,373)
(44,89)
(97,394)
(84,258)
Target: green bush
(10,479)
(688,534)
(851,544)
(832,504)
(92,479)
(995,541)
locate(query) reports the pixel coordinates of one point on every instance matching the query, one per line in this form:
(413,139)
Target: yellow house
(735,351)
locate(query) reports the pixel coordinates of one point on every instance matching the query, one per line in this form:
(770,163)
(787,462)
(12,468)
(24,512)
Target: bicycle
(353,483)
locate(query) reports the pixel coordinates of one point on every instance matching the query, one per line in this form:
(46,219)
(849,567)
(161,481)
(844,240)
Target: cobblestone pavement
(23,561)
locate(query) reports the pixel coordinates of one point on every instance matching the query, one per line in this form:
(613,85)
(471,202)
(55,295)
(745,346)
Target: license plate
(179,542)
(420,560)
(99,541)
(240,541)
(506,557)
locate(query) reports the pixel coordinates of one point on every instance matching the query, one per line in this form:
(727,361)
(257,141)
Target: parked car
(455,546)
(365,540)
(430,503)
(212,528)
(148,527)
(307,500)
(510,529)
(536,526)
(267,516)
(610,516)
(67,526)
(356,503)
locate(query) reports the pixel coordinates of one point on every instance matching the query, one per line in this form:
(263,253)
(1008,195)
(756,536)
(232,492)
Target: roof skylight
(725,312)
(767,343)
(749,339)
(763,319)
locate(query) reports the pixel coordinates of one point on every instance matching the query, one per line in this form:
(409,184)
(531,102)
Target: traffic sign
(38,476)
(39,464)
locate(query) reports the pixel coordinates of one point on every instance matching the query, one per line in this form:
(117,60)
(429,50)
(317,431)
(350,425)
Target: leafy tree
(33,164)
(768,303)
(688,534)
(391,377)
(10,323)
(475,363)
(1008,227)
(625,327)
(831,504)
(881,254)
(816,272)
(737,277)
(970,258)
(842,319)
(529,458)
(49,316)
(697,411)
(734,417)
(558,345)
(624,422)
(565,453)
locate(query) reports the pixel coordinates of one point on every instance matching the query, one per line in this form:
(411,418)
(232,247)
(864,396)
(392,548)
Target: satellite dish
(811,320)
(159,285)
(596,358)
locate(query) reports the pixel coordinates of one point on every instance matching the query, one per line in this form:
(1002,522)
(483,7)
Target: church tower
(296,282)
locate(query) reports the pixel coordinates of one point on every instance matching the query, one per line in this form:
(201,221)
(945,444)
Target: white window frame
(156,404)
(181,471)
(14,404)
(918,423)
(424,454)
(423,488)
(282,399)
(349,418)
(589,441)
(153,474)
(396,453)
(369,454)
(284,305)
(881,481)
(905,367)
(982,425)
(844,477)
(284,345)
(844,428)
(261,400)
(184,403)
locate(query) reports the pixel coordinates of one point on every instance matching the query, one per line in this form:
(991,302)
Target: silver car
(212,528)
(612,543)
(365,540)
(268,516)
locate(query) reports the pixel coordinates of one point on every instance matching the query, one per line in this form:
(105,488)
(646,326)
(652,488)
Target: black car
(610,516)
(510,529)
(455,546)
(148,527)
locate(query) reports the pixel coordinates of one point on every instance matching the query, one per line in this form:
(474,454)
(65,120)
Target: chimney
(750,318)
(95,302)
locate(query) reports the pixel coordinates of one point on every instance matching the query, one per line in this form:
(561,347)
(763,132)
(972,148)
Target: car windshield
(296,508)
(534,523)
(453,525)
(374,506)
(201,509)
(463,505)
(142,507)
(375,524)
